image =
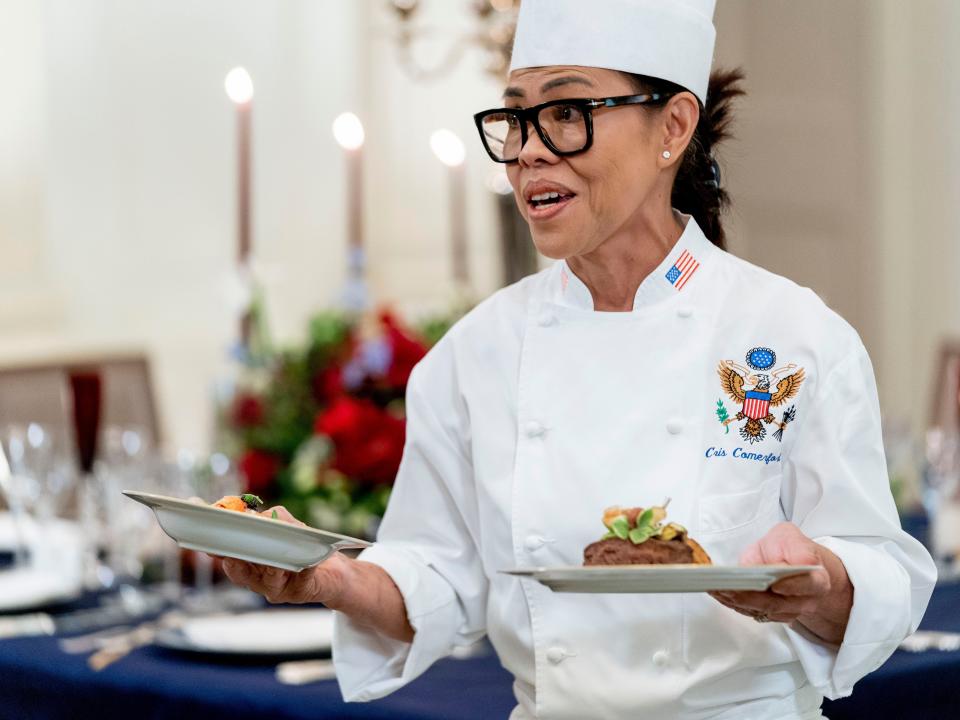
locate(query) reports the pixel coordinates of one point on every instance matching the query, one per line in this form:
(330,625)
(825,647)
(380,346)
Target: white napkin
(55,570)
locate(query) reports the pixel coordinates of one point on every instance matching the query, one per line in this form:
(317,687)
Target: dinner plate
(659,578)
(274,632)
(244,536)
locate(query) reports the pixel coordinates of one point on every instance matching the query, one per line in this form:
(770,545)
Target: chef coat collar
(679,271)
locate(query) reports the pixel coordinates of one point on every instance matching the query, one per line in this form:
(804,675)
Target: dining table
(39,680)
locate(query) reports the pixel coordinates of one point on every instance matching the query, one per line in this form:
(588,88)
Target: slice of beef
(614,551)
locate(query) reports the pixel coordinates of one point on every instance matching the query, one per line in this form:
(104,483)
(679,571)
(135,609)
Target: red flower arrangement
(321,429)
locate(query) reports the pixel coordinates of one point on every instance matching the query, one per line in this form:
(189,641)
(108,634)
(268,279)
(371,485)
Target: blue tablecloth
(922,685)
(38,681)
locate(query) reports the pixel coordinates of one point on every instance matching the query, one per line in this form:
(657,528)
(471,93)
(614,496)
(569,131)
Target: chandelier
(495,23)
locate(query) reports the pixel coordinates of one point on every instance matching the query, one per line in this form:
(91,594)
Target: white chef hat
(666,39)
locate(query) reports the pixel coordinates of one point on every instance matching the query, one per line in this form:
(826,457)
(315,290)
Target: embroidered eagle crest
(750,387)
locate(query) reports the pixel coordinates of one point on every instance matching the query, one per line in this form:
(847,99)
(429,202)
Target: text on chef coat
(741,454)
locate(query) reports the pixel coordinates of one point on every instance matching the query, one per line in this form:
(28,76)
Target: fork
(121,645)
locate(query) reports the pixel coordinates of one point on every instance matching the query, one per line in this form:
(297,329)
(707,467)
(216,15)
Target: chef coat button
(674,426)
(556,655)
(533,542)
(660,658)
(684,312)
(534,429)
(547,321)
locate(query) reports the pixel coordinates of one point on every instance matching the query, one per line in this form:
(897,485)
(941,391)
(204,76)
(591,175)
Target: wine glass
(86,390)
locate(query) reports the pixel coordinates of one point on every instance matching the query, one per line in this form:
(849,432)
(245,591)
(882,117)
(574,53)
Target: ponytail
(698,190)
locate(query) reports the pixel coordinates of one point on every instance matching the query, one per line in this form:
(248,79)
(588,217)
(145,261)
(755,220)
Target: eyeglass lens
(564,125)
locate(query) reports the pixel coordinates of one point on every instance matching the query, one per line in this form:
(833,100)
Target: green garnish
(620,527)
(646,518)
(641,534)
(273,515)
(647,524)
(252,501)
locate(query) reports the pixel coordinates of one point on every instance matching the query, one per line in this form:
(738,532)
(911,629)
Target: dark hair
(697,190)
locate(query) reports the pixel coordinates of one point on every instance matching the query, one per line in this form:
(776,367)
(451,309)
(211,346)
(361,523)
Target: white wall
(408,217)
(122,196)
(846,169)
(916,138)
(29,302)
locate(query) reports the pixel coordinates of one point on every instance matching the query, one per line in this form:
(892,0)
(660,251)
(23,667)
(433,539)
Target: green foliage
(723,415)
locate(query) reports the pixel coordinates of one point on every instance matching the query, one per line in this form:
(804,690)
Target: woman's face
(602,189)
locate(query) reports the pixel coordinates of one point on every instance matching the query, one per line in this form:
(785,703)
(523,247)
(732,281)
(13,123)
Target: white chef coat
(535,412)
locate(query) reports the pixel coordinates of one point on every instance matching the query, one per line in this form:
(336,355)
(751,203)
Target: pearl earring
(666,154)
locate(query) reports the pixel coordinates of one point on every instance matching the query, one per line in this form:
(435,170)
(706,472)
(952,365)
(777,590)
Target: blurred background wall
(117,173)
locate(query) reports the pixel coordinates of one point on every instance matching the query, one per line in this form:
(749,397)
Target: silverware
(82,644)
(301,672)
(924,640)
(119,646)
(132,604)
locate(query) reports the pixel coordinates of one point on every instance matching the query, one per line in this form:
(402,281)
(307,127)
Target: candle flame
(239,86)
(348,131)
(448,147)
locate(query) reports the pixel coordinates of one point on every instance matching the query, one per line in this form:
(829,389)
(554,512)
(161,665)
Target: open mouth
(547,204)
(548,198)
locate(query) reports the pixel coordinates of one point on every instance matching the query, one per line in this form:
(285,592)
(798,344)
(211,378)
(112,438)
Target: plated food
(240,503)
(639,536)
(234,529)
(641,553)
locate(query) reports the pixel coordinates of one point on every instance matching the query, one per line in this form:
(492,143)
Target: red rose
(247,411)
(406,349)
(328,384)
(259,470)
(343,421)
(368,441)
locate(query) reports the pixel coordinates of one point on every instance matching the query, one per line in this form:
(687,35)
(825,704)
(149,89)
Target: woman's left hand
(820,601)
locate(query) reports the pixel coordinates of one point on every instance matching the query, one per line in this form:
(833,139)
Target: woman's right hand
(319,583)
(314,584)
(363,591)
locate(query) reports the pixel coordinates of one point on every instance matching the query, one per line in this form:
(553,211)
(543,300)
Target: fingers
(727,603)
(274,585)
(282,514)
(776,607)
(237,571)
(753,555)
(811,584)
(785,544)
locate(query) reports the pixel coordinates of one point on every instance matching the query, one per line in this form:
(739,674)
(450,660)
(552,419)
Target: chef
(645,363)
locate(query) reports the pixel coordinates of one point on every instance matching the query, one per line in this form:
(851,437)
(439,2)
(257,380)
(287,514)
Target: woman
(645,363)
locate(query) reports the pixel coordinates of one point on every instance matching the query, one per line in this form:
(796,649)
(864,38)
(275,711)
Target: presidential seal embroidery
(750,387)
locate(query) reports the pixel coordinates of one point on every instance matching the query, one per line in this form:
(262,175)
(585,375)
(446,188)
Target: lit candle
(450,151)
(348,132)
(239,87)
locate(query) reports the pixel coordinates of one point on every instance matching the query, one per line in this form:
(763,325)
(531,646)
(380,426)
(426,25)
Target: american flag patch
(682,270)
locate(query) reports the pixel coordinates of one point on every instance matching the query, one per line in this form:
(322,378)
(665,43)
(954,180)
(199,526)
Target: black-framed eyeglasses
(564,126)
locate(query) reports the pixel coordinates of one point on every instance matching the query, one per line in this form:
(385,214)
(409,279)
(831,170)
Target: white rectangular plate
(659,578)
(244,536)
(275,631)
